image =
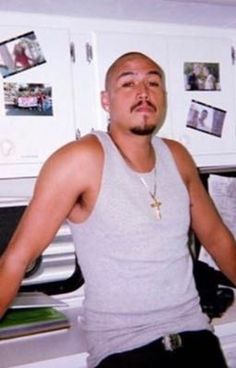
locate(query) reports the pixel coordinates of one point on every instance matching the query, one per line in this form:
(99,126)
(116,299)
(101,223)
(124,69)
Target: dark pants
(198,349)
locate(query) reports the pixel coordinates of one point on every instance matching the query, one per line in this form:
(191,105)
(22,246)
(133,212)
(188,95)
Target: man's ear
(105,101)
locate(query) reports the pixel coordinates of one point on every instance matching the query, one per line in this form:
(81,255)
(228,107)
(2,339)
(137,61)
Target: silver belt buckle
(172,342)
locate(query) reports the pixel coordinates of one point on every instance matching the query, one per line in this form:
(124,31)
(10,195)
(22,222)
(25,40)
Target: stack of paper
(32,313)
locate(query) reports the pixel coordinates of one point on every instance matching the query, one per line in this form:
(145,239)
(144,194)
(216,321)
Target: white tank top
(138,275)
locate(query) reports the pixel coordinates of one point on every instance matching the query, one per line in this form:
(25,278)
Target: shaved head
(126,57)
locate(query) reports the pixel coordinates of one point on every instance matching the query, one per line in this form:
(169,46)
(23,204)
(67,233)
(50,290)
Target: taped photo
(20,53)
(28,99)
(202,76)
(206,118)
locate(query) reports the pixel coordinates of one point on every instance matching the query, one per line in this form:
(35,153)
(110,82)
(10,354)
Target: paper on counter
(222,190)
(35,300)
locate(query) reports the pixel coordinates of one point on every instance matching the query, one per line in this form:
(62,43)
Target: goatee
(142,131)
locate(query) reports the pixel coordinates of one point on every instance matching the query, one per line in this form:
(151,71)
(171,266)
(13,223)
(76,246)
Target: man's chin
(143,131)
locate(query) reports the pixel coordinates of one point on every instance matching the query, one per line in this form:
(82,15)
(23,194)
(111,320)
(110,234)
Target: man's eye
(128,84)
(154,84)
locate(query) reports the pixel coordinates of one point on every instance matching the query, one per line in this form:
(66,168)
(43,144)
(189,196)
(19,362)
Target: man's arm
(63,178)
(205,219)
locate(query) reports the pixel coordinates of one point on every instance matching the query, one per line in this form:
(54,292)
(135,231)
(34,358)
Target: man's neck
(136,150)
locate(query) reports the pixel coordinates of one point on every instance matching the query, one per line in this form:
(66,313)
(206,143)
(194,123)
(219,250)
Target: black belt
(175,341)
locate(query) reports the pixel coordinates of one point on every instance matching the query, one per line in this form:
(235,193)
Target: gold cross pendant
(157,206)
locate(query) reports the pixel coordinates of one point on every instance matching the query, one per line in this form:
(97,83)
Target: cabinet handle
(77,134)
(89,52)
(72,52)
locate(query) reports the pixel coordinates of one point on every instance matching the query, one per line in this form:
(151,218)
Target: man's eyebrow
(151,72)
(155,72)
(124,74)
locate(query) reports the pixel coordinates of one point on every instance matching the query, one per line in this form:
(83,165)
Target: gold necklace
(156,204)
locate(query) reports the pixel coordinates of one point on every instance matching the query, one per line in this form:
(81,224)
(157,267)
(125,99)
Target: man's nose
(143,90)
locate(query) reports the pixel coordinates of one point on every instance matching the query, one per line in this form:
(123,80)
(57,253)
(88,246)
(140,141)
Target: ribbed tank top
(138,274)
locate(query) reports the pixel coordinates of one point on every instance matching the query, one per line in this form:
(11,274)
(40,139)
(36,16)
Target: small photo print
(28,99)
(20,53)
(206,118)
(202,76)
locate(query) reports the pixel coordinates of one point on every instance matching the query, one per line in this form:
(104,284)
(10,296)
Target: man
(130,199)
(193,117)
(193,79)
(203,123)
(209,79)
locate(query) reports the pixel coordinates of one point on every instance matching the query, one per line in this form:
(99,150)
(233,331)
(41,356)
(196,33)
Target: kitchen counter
(225,329)
(23,351)
(67,348)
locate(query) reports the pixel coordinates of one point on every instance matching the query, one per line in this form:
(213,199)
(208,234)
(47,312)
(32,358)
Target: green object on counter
(21,322)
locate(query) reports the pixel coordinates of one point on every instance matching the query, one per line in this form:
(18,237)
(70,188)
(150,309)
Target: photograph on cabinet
(20,53)
(201,76)
(28,99)
(206,118)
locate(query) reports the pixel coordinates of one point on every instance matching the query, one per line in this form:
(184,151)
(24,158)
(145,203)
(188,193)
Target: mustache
(140,103)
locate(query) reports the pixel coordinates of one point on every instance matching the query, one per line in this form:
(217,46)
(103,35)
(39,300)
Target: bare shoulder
(76,153)
(183,159)
(177,149)
(74,162)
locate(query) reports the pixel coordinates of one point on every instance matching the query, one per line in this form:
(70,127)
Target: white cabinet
(29,135)
(210,147)
(95,52)
(207,148)
(83,70)
(107,46)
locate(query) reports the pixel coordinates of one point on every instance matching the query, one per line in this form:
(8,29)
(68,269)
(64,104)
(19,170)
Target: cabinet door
(83,83)
(208,145)
(36,107)
(109,46)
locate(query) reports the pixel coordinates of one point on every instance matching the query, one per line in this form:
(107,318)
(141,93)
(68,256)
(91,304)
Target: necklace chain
(156,204)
